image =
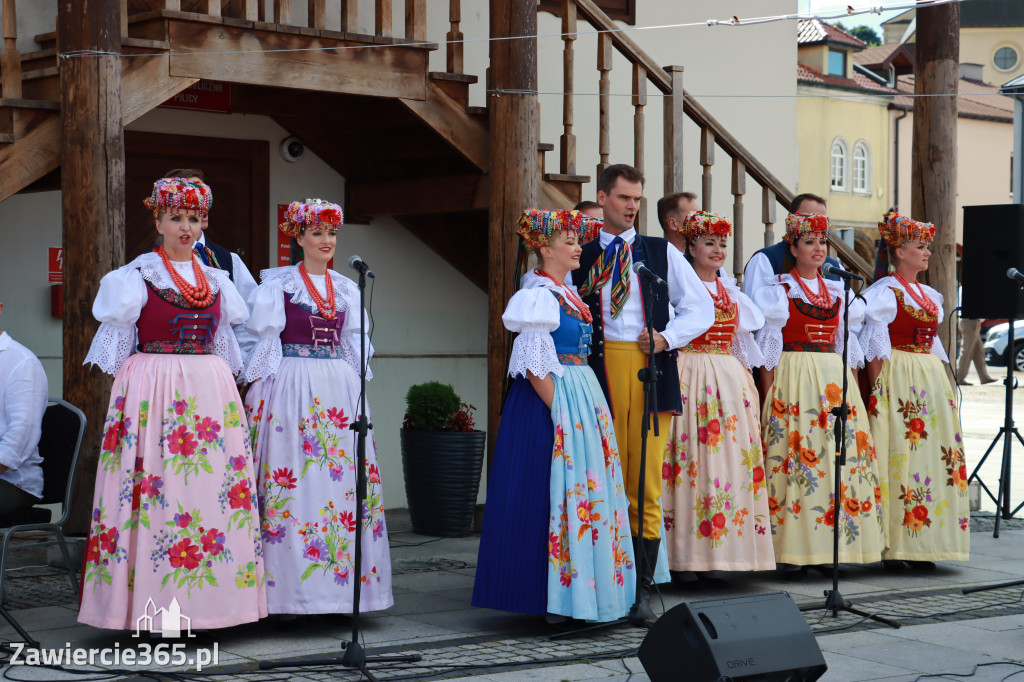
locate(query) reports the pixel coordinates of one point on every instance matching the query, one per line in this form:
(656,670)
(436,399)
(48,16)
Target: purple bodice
(168,324)
(302,327)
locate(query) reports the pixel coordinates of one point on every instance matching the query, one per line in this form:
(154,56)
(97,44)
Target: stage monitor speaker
(993,243)
(761,637)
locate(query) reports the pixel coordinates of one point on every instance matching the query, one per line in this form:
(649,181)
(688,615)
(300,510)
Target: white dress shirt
(693,309)
(22,403)
(757,274)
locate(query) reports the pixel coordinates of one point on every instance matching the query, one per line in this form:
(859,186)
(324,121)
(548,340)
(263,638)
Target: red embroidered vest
(167,324)
(810,329)
(718,339)
(913,330)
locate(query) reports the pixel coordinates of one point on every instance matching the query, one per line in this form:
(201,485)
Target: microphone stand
(355,655)
(834,600)
(649,376)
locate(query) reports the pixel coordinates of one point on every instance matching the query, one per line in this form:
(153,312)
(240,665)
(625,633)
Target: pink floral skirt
(174,511)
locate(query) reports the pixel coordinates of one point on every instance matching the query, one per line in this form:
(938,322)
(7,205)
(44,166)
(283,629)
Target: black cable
(973,672)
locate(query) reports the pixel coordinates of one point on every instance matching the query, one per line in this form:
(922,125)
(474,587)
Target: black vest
(224,260)
(653,252)
(776,254)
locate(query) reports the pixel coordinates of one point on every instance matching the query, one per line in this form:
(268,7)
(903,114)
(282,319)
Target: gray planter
(442,477)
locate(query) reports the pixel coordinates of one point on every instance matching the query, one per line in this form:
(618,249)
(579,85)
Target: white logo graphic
(171,620)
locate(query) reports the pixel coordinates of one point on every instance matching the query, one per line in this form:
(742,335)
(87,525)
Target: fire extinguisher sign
(55,264)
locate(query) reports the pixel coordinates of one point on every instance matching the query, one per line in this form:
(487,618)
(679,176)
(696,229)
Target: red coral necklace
(571,296)
(198,296)
(722,299)
(822,299)
(920,297)
(326,306)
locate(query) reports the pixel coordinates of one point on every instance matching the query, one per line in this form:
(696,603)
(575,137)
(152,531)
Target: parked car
(997,340)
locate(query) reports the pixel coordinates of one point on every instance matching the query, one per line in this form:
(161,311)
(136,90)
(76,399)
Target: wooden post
(92,189)
(10,59)
(707,160)
(514,179)
(933,160)
(604,101)
(674,132)
(283,12)
(454,51)
(639,102)
(768,215)
(213,7)
(382,18)
(416,19)
(567,143)
(350,16)
(739,188)
(316,14)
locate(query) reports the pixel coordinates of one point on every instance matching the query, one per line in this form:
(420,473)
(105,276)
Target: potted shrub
(442,456)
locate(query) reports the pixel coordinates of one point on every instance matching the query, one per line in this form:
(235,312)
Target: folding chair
(63,427)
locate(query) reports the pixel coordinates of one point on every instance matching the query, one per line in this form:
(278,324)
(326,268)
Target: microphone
(830,269)
(1014,273)
(360,266)
(643,271)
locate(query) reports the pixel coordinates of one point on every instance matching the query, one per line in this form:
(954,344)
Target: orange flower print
(796,508)
(865,506)
(773,506)
(873,406)
(778,407)
(794,441)
(852,506)
(878,495)
(823,419)
(830,516)
(794,410)
(863,441)
(916,425)
(833,394)
(809,457)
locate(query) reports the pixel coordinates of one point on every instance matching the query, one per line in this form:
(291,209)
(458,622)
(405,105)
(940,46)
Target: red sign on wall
(203,96)
(55,264)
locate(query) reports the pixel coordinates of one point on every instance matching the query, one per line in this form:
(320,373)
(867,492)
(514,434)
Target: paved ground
(944,633)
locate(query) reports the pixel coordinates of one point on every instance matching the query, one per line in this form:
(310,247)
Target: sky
(872,20)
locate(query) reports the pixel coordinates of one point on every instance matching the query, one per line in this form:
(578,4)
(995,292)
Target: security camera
(292,149)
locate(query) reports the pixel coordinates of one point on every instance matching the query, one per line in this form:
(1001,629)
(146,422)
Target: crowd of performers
(243,508)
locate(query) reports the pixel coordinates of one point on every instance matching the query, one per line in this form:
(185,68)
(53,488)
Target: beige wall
(979,45)
(821,119)
(983,165)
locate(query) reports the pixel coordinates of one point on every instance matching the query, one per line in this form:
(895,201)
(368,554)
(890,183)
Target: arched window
(840,166)
(861,168)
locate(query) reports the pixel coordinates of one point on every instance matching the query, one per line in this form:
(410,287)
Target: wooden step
(41,59)
(46,41)
(477,111)
(455,85)
(29,103)
(41,84)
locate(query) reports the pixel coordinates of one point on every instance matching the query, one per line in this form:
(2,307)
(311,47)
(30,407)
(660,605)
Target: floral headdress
(179,194)
(309,213)
(704,223)
(802,224)
(896,229)
(537,225)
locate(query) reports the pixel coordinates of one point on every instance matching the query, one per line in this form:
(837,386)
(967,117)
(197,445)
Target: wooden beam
(418,196)
(241,55)
(465,133)
(416,19)
(934,145)
(92,194)
(30,157)
(514,181)
(146,84)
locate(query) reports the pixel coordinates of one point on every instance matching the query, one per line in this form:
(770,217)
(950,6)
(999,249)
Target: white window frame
(839,181)
(862,148)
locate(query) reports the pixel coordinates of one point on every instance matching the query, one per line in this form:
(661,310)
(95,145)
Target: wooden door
(237,172)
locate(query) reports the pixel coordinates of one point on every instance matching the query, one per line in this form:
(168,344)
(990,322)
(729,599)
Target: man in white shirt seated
(23,391)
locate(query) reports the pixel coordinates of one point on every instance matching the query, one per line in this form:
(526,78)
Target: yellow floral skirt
(920,449)
(800,453)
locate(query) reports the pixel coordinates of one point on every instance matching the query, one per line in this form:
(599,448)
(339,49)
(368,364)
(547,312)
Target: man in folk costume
(613,292)
(765,266)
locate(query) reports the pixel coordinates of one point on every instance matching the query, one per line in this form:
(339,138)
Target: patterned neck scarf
(614,264)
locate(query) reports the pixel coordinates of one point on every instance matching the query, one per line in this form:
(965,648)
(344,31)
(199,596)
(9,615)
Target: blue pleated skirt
(512,565)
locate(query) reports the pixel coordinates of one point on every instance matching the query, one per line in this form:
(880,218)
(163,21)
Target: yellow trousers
(623,359)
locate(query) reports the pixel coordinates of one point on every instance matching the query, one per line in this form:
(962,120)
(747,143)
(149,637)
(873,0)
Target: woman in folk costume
(556,532)
(914,420)
(174,516)
(306,369)
(801,382)
(714,494)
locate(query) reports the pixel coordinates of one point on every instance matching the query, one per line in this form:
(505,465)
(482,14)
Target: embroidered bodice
(719,339)
(572,338)
(810,328)
(167,324)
